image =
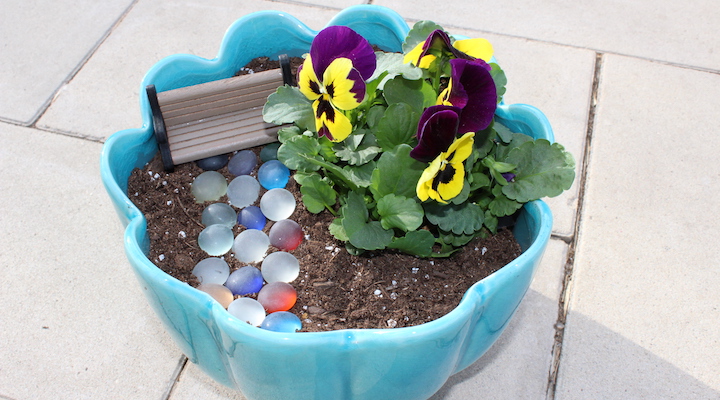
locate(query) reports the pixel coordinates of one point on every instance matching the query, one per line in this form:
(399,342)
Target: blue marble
(242,163)
(273,175)
(245,280)
(281,321)
(252,217)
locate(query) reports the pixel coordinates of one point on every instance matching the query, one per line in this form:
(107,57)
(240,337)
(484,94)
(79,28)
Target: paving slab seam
(48,103)
(565,293)
(175,378)
(75,135)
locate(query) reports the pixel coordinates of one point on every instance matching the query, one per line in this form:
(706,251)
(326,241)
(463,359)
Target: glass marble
(245,280)
(277,204)
(216,240)
(213,163)
(219,213)
(282,321)
(251,245)
(242,163)
(273,174)
(280,267)
(269,152)
(209,186)
(247,310)
(212,270)
(252,217)
(220,293)
(243,191)
(286,234)
(277,296)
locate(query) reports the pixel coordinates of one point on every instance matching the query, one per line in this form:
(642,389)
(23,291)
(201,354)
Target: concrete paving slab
(103,97)
(334,4)
(643,320)
(667,30)
(558,81)
(515,367)
(43,43)
(74,322)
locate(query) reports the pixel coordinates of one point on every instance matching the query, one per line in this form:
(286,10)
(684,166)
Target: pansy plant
(409,156)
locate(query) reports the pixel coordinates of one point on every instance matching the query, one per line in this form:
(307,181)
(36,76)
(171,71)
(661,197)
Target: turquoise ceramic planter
(404,363)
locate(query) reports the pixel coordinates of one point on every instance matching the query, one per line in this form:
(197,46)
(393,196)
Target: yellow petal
(460,149)
(329,118)
(413,55)
(336,77)
(478,48)
(449,190)
(424,186)
(307,80)
(442,99)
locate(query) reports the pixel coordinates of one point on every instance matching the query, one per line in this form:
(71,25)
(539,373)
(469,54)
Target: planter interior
(403,363)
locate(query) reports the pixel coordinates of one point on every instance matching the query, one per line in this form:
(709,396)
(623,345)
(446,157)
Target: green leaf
(326,149)
(503,132)
(478,180)
(360,175)
(501,206)
(336,229)
(371,236)
(391,65)
(286,106)
(454,240)
(287,132)
(418,94)
(362,234)
(518,139)
(500,79)
(418,243)
(296,152)
(357,149)
(374,114)
(396,173)
(400,212)
(397,126)
(490,222)
(419,33)
(461,218)
(317,194)
(543,169)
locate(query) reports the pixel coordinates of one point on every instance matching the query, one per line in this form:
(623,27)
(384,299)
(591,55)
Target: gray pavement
(625,305)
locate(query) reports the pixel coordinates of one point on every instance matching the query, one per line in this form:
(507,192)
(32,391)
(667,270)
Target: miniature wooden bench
(216,117)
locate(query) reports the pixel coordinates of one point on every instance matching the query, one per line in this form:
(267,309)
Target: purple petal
(508,176)
(340,41)
(440,40)
(436,132)
(473,89)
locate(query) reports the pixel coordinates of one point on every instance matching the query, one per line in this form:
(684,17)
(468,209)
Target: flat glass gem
(280,267)
(220,293)
(277,204)
(242,163)
(219,213)
(216,240)
(286,234)
(282,321)
(212,270)
(277,296)
(245,280)
(247,310)
(213,163)
(252,217)
(209,186)
(243,191)
(273,174)
(269,152)
(251,245)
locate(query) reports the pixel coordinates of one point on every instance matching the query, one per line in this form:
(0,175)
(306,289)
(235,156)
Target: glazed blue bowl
(403,363)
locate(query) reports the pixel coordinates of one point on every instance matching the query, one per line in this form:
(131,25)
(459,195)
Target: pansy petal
(478,48)
(439,40)
(329,121)
(436,131)
(415,54)
(460,149)
(424,185)
(340,41)
(473,89)
(344,84)
(307,80)
(449,182)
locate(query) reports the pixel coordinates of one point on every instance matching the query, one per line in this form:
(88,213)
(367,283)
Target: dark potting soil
(336,290)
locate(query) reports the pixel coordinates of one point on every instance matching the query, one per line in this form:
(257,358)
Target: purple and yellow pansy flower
(439,41)
(333,78)
(472,89)
(444,178)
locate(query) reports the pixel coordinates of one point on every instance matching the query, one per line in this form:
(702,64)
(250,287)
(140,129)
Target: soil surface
(336,290)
